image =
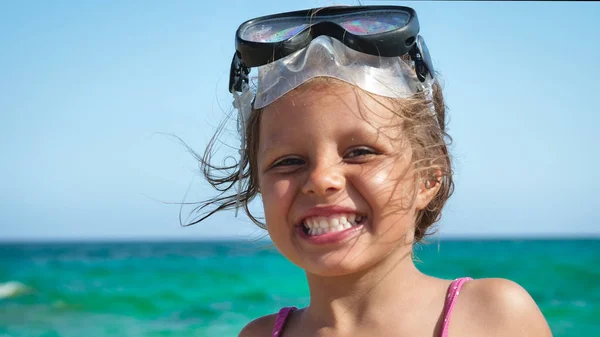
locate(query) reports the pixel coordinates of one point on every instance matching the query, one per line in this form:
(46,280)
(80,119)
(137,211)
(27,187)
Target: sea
(214,288)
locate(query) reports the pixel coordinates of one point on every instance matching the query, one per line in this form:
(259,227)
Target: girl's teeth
(322,225)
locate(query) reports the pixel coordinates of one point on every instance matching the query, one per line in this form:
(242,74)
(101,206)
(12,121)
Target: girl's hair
(426,133)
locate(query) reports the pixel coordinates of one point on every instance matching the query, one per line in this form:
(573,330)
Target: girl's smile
(323,225)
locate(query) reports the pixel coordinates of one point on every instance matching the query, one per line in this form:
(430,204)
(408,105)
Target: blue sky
(87,88)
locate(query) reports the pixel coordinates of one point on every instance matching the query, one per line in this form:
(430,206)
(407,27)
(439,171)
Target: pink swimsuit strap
(282,316)
(453,292)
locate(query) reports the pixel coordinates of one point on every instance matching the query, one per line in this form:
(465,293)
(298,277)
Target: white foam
(13,289)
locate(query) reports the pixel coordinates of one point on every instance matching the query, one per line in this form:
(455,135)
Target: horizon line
(530,237)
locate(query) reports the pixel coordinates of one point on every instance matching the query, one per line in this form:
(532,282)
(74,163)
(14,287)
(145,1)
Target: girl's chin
(335,265)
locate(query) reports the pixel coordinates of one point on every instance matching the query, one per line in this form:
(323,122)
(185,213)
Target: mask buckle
(238,74)
(420,55)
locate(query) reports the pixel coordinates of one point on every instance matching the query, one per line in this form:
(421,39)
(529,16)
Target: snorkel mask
(376,48)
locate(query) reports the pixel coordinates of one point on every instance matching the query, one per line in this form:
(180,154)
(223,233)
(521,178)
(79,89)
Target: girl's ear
(427,188)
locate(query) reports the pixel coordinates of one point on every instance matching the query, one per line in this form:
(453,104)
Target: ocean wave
(13,289)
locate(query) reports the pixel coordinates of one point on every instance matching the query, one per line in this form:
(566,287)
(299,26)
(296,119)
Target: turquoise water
(214,288)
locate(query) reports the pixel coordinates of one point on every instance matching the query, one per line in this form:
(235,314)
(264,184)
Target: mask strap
(428,90)
(243,104)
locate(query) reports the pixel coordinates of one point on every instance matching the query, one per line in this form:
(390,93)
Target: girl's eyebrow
(276,140)
(266,150)
(273,138)
(271,144)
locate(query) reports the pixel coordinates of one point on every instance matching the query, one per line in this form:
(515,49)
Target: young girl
(343,138)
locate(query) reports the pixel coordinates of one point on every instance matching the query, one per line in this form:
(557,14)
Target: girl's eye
(360,152)
(288,162)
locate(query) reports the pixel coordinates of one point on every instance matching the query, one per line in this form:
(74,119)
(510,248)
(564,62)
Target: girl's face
(333,157)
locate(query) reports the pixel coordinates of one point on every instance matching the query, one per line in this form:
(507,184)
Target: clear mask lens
(274,30)
(372,23)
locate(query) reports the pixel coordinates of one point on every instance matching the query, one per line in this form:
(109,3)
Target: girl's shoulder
(484,307)
(260,327)
(496,307)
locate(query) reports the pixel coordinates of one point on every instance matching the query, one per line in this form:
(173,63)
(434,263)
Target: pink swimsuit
(453,292)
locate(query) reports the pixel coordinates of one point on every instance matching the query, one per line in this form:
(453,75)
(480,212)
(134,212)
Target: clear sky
(87,88)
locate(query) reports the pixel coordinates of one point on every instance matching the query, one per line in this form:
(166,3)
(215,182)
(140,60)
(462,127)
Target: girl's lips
(332,237)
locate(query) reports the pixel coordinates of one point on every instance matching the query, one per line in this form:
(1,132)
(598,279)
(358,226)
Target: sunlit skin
(325,144)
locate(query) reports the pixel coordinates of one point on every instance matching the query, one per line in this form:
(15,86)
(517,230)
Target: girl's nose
(324,181)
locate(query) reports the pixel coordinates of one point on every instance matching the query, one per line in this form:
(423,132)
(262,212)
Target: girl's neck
(348,300)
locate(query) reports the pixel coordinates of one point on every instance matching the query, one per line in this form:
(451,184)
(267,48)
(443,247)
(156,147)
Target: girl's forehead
(333,108)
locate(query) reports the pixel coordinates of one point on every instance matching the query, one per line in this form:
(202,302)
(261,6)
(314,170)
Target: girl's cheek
(282,188)
(383,185)
(376,179)
(379,178)
(277,200)
(277,192)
